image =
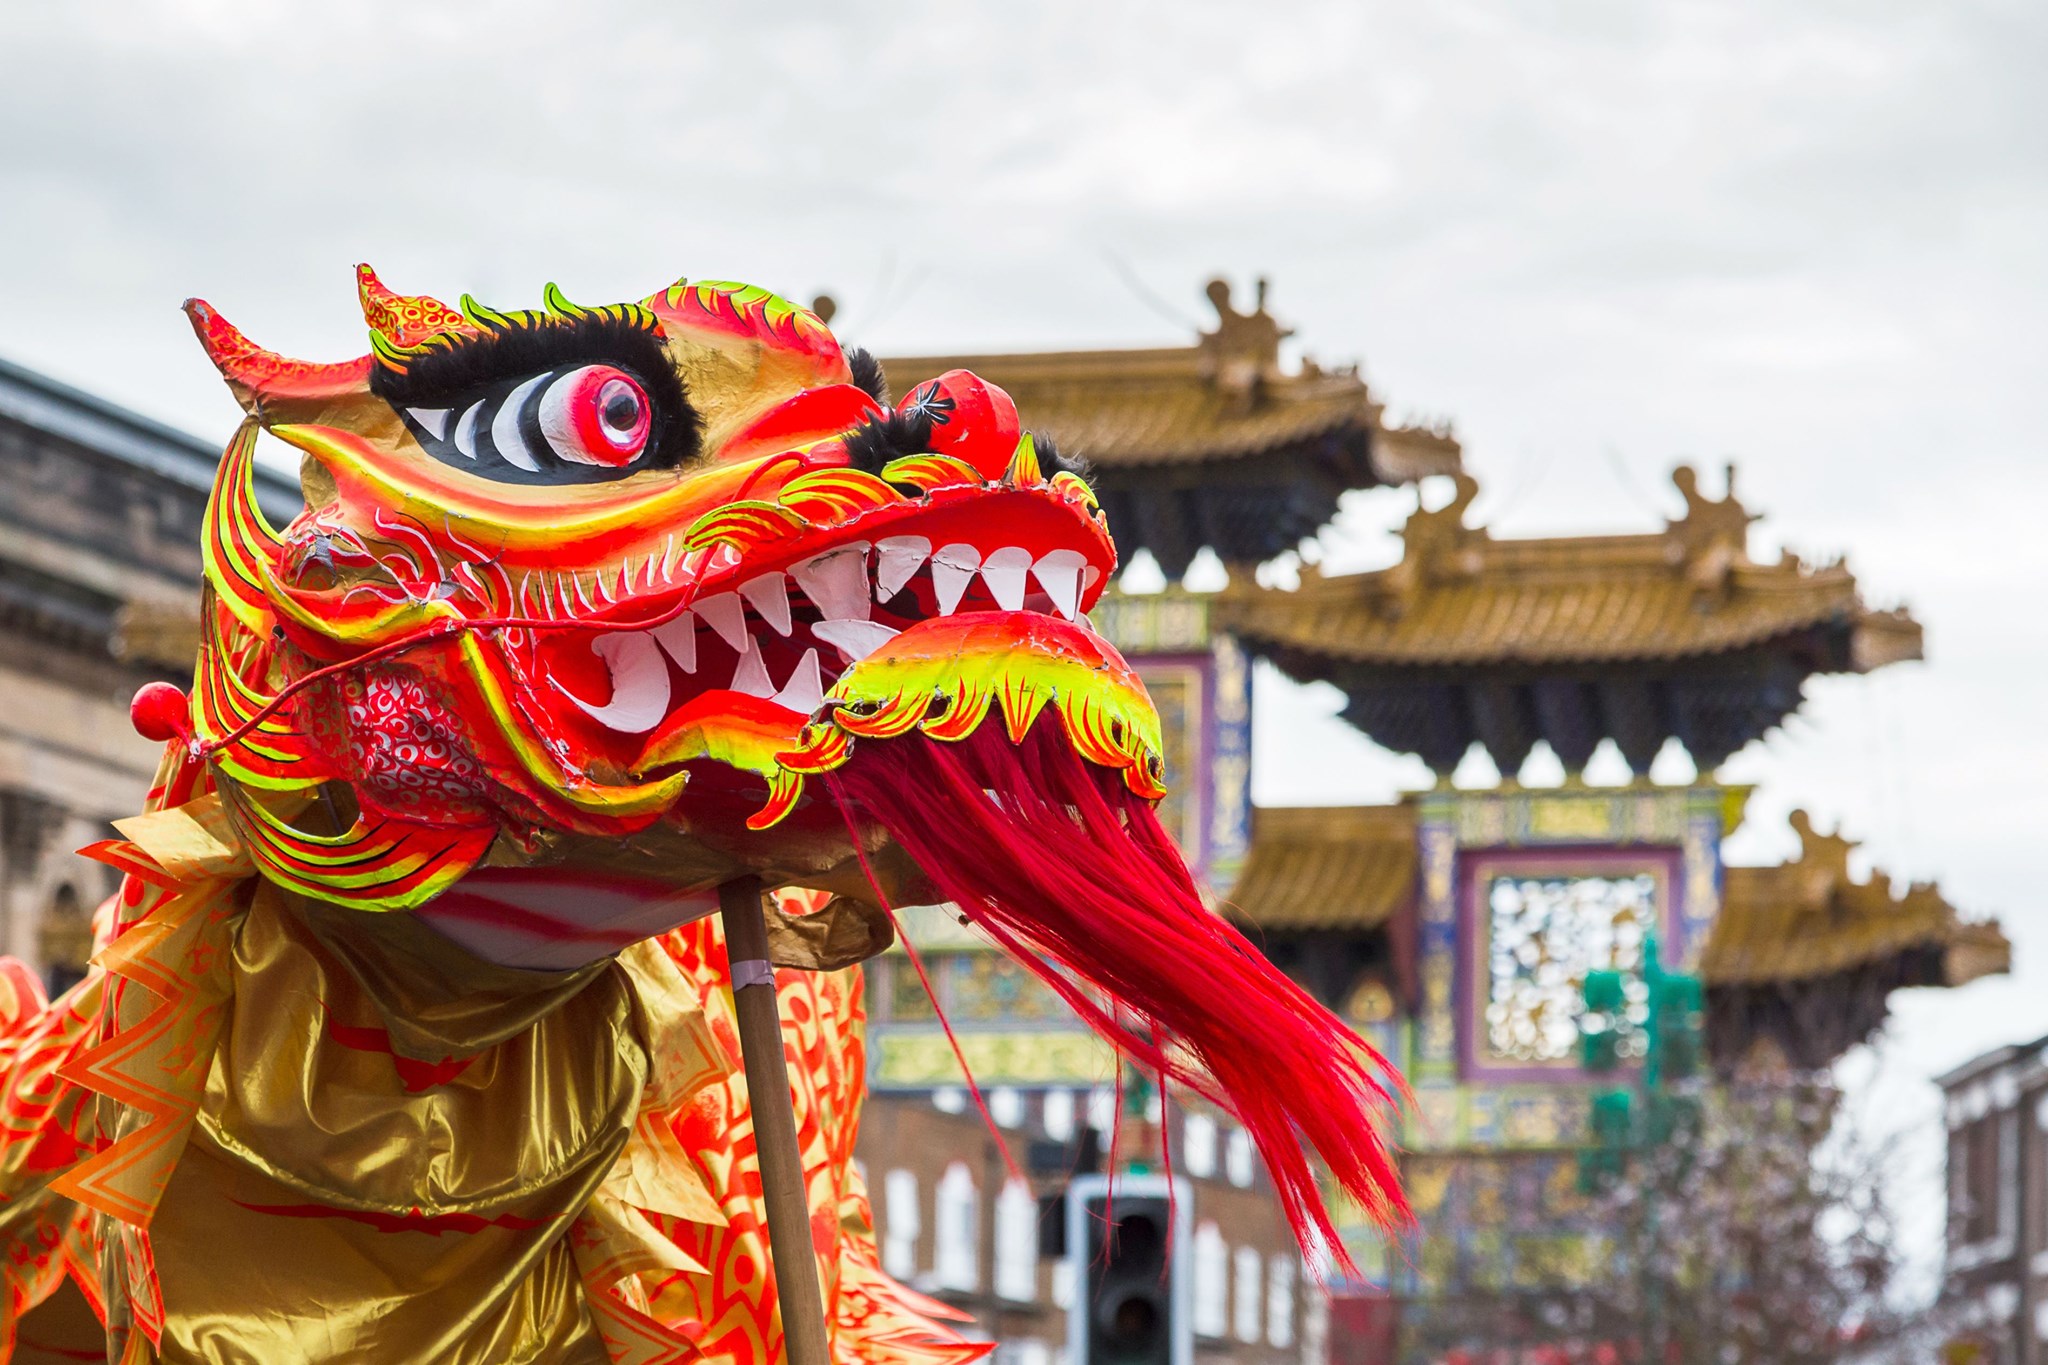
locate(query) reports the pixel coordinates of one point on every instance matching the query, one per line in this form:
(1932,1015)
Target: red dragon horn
(255,375)
(401,324)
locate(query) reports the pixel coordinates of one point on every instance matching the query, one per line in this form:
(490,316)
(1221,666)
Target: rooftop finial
(1244,350)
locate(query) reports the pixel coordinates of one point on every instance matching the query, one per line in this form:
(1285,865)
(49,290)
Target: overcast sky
(1601,236)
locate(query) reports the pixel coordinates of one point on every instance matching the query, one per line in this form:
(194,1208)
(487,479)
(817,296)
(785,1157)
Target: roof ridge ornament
(1242,355)
(1437,545)
(1824,856)
(1712,539)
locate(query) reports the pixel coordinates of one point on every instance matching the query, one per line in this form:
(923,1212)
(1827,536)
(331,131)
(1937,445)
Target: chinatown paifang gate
(1673,642)
(1673,637)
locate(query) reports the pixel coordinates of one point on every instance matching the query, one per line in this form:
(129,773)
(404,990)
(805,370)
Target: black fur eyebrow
(519,345)
(891,436)
(1052,461)
(868,375)
(895,434)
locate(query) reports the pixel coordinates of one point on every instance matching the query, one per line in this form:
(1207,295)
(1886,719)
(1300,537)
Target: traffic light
(1131,1275)
(1599,1038)
(1663,1117)
(1675,1007)
(1613,1136)
(1671,1118)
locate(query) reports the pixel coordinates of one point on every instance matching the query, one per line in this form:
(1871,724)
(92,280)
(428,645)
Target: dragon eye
(596,415)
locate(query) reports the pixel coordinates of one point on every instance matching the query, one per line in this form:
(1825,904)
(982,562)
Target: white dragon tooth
(1004,572)
(668,557)
(601,588)
(465,430)
(639,683)
(589,607)
(505,427)
(953,568)
(855,639)
(837,581)
(896,559)
(805,688)
(434,420)
(724,614)
(769,595)
(679,639)
(647,578)
(1059,573)
(751,676)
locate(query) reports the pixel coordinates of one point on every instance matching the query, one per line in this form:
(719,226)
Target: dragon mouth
(937,609)
(781,640)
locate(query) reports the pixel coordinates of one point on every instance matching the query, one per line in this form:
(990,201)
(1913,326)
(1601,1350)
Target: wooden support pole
(782,1166)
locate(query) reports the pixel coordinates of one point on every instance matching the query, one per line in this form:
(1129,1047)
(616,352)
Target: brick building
(1995,1280)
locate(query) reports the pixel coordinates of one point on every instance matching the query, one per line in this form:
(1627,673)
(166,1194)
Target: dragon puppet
(410,1036)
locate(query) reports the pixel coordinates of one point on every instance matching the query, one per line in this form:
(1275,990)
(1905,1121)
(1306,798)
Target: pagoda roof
(1213,444)
(1803,955)
(1572,638)
(1798,965)
(1326,867)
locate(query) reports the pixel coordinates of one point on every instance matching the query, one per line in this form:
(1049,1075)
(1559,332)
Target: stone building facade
(100,513)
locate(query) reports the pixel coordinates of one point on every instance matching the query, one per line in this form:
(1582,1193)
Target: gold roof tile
(1808,918)
(1226,398)
(1326,867)
(1459,596)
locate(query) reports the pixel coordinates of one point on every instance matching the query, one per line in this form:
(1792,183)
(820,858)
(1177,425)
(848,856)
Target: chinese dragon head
(590,592)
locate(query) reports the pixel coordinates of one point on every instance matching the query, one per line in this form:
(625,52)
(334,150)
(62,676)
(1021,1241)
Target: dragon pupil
(620,408)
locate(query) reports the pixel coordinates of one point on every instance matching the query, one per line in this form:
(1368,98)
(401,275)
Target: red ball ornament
(971,419)
(160,712)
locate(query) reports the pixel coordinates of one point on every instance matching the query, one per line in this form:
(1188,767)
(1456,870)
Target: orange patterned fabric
(728,1309)
(145,1156)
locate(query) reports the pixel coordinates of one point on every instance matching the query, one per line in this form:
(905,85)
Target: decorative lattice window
(1542,935)
(988,987)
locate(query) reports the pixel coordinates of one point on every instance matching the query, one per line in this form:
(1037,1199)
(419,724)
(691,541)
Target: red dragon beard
(1075,877)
